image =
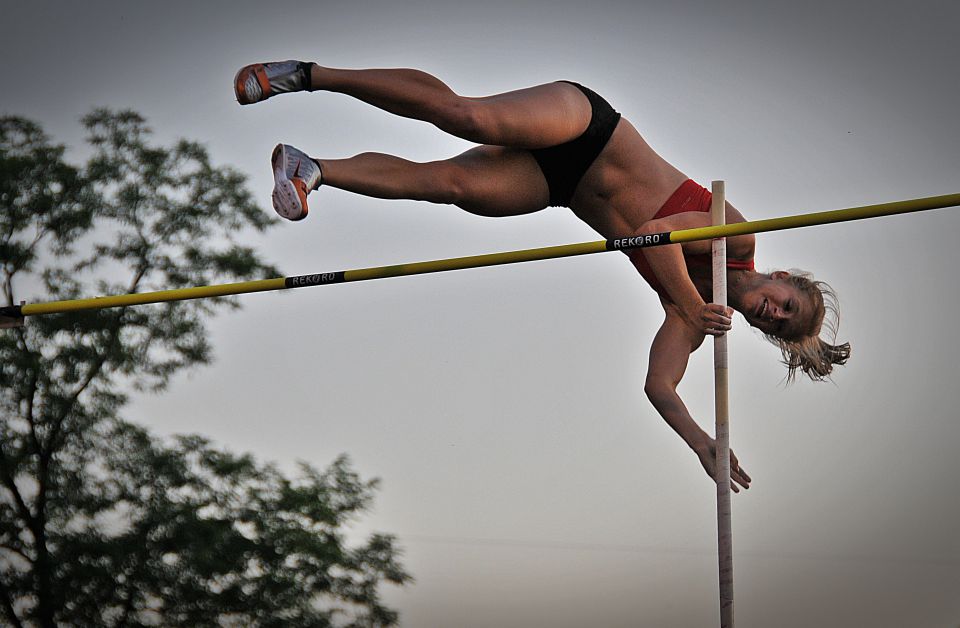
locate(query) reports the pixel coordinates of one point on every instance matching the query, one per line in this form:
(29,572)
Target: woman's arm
(670,267)
(669,354)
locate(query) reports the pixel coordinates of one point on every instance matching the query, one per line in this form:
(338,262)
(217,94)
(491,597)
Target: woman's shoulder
(741,247)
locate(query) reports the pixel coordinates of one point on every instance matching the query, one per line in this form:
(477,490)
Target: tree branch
(8,284)
(14,550)
(127,605)
(95,368)
(11,485)
(8,606)
(31,420)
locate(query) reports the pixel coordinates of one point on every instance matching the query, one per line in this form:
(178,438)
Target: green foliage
(101,523)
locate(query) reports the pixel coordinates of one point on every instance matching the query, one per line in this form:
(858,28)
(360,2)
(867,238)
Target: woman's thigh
(534,117)
(498,181)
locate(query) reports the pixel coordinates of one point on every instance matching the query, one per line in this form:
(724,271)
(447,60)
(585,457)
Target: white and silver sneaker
(260,81)
(295,175)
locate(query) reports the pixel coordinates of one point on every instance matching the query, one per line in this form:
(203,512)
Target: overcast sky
(527,477)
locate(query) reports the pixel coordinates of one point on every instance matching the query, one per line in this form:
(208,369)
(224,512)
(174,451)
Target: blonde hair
(809,352)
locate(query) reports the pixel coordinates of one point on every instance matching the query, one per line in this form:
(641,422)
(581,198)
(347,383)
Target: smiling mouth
(762,309)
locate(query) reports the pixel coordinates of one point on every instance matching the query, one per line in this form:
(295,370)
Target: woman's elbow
(651,226)
(658,389)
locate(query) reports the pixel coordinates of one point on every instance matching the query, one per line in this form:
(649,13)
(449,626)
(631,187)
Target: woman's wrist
(700,442)
(692,308)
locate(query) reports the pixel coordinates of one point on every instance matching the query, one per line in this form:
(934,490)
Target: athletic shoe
(295,175)
(260,81)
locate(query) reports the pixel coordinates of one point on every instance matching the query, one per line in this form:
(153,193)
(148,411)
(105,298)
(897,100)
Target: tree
(102,523)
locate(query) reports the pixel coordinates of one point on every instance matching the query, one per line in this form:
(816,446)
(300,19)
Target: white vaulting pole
(724,532)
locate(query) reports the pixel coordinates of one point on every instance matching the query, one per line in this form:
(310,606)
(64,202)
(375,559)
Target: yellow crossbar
(492,259)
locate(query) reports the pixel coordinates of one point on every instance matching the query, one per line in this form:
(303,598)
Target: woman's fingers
(737,474)
(743,477)
(716,319)
(740,478)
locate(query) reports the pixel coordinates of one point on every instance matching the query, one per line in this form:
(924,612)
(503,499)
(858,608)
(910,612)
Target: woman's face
(776,306)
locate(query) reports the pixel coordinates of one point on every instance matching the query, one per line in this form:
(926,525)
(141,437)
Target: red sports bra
(689,197)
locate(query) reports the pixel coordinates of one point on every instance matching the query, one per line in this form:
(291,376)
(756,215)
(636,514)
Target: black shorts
(565,164)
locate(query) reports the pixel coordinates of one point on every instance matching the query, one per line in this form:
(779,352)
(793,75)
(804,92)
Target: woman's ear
(779,274)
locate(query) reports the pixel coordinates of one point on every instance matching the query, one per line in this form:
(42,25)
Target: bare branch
(8,481)
(8,606)
(17,551)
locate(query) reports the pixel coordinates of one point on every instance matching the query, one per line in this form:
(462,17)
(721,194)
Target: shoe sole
(289,199)
(240,83)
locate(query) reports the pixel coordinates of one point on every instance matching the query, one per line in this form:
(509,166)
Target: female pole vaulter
(561,144)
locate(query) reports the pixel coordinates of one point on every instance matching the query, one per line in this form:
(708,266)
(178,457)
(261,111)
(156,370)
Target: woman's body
(618,189)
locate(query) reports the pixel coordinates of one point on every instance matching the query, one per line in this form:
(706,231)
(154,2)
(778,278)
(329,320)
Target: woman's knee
(489,181)
(447,183)
(454,183)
